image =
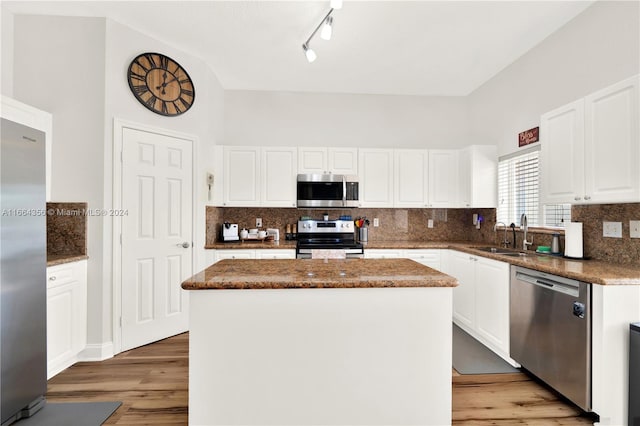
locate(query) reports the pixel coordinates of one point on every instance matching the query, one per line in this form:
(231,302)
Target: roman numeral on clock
(140,90)
(187,92)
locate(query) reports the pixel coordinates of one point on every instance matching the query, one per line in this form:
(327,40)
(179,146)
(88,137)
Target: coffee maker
(229,232)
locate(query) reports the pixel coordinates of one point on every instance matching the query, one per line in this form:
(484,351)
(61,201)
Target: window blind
(518,189)
(518,193)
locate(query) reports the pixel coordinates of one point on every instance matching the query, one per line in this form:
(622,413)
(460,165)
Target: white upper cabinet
(342,161)
(278,177)
(376,177)
(591,148)
(478,176)
(443,178)
(411,178)
(255,177)
(241,176)
(612,144)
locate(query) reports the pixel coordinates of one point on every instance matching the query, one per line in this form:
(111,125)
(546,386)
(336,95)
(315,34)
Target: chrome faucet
(525,227)
(505,243)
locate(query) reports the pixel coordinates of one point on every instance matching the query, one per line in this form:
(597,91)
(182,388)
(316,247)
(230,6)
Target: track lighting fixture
(309,53)
(327,30)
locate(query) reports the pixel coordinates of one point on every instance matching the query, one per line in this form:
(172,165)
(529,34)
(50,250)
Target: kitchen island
(332,342)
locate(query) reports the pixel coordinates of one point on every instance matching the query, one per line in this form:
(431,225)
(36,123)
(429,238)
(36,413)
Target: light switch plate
(376,222)
(634,228)
(258,222)
(430,223)
(612,229)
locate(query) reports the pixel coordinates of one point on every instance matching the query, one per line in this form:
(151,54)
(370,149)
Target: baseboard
(96,352)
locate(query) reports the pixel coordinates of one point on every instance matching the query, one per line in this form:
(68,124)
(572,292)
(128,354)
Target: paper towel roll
(573,240)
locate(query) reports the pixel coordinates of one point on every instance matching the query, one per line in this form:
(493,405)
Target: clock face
(161,84)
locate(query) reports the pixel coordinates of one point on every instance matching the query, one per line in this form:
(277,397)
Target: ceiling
(446,48)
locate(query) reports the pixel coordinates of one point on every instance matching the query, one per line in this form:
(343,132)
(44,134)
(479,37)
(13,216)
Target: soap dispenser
(555,243)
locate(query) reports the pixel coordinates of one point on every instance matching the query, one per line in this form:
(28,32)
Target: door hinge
(120,321)
(121,156)
(120,239)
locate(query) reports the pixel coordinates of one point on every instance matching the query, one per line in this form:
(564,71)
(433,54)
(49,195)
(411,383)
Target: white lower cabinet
(275,254)
(481,300)
(427,257)
(382,254)
(66,315)
(234,254)
(253,254)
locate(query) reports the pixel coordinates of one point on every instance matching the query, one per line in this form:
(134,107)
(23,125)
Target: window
(518,193)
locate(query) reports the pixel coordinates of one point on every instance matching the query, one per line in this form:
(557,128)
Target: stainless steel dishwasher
(550,319)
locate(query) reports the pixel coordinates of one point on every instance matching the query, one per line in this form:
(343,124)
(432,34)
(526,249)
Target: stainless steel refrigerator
(23,293)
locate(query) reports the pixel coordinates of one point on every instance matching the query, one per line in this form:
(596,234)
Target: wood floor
(152,383)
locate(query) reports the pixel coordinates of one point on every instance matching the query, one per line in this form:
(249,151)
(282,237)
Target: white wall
(307,119)
(6,69)
(78,73)
(597,48)
(63,73)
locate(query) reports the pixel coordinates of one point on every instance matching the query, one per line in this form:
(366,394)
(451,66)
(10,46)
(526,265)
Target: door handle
(184,245)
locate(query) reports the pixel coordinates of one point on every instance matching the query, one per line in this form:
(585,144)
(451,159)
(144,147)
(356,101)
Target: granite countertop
(59,259)
(317,273)
(248,244)
(592,271)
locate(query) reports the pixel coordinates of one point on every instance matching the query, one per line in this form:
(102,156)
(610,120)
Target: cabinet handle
(586,197)
(577,198)
(53,278)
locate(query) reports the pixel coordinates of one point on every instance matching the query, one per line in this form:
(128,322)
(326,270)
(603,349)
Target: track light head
(327,28)
(309,53)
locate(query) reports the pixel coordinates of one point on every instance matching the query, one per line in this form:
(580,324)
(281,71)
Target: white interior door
(156,236)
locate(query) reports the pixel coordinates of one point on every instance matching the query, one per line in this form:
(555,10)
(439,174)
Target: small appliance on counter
(229,232)
(273,232)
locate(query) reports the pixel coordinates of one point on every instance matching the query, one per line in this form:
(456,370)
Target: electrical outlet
(612,229)
(430,223)
(376,222)
(258,222)
(634,228)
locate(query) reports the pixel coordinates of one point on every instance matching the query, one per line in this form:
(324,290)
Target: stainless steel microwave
(319,190)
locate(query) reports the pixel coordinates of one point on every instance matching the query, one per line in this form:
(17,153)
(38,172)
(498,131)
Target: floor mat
(472,357)
(71,413)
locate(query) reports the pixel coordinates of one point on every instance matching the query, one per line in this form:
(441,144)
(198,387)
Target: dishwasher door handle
(548,284)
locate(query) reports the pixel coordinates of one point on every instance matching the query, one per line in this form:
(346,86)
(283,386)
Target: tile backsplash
(617,250)
(395,224)
(450,225)
(66,229)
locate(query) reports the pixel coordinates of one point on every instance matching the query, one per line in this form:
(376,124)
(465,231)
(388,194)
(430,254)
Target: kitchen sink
(501,251)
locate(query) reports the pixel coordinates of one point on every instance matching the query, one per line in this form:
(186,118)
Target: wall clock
(161,84)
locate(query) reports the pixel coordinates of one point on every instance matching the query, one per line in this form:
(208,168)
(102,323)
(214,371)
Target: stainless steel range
(327,234)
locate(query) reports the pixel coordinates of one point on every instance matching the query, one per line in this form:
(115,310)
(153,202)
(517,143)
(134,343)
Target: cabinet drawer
(59,275)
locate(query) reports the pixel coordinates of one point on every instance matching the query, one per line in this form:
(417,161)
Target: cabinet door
(66,315)
(275,254)
(382,254)
(312,160)
(235,254)
(241,176)
(411,177)
(464,295)
(478,176)
(492,303)
(443,178)
(430,258)
(612,144)
(343,161)
(376,177)
(279,176)
(562,155)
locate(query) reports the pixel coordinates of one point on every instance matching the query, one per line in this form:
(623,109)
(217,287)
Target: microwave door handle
(344,191)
